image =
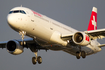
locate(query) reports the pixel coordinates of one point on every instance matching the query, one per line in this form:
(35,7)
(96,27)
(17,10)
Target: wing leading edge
(94,34)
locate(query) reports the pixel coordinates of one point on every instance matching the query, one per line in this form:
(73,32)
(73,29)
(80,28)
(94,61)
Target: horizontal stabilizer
(101,45)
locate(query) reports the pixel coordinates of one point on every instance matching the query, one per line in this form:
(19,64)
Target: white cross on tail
(94,23)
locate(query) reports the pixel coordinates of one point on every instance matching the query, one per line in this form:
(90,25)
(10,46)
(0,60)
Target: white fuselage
(45,30)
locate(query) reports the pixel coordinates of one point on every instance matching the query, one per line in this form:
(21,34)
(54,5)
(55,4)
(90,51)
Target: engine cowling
(14,47)
(80,38)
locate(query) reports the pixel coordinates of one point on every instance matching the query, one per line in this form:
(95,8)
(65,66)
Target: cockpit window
(17,11)
(22,12)
(10,12)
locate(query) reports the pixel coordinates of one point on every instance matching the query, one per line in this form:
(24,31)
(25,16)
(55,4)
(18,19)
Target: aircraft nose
(10,20)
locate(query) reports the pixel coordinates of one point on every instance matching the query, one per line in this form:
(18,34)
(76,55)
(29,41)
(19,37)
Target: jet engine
(80,38)
(14,47)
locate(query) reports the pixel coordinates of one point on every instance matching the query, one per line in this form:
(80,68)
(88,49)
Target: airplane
(48,34)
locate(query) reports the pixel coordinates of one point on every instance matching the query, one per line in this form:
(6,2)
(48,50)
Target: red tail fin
(93,20)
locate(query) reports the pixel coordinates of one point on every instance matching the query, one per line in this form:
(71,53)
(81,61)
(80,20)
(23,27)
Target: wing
(97,34)
(3,44)
(66,37)
(30,42)
(94,34)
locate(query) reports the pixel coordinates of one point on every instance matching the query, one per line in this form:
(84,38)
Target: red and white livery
(46,33)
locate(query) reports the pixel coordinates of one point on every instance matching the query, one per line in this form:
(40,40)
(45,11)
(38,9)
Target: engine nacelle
(80,38)
(14,47)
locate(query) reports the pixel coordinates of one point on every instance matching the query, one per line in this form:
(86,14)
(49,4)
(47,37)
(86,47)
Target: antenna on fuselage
(21,5)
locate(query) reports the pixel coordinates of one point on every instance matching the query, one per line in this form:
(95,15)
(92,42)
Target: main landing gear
(79,54)
(36,59)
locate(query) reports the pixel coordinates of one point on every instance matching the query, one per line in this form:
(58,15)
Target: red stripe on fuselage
(37,13)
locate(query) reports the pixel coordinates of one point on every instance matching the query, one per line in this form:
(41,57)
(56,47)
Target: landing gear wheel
(83,54)
(39,59)
(78,55)
(23,43)
(34,60)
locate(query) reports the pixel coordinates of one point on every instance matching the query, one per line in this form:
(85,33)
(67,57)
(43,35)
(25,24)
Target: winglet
(93,20)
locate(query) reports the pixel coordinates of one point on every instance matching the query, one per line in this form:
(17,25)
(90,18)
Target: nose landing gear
(22,33)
